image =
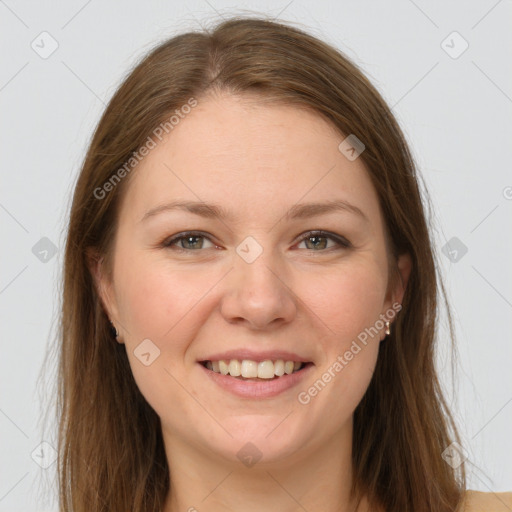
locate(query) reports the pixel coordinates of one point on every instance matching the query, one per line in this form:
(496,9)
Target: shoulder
(476,501)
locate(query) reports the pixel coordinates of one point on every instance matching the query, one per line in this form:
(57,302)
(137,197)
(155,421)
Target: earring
(388,330)
(113,329)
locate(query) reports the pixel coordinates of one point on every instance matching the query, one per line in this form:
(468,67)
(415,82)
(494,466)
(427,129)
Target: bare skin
(309,296)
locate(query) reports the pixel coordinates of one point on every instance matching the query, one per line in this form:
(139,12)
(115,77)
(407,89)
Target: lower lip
(257,389)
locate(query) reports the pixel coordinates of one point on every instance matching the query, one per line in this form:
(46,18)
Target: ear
(404,266)
(102,283)
(398,285)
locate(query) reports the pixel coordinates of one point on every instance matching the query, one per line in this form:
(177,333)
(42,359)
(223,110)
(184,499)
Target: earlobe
(103,285)
(397,289)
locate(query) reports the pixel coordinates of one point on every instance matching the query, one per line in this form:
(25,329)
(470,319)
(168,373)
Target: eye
(318,240)
(189,241)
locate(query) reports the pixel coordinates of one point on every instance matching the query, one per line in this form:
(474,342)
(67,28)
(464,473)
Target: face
(256,280)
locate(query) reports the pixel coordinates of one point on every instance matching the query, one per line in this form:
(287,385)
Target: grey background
(456,113)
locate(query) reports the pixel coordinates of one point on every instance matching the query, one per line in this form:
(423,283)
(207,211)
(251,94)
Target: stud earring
(388,330)
(113,330)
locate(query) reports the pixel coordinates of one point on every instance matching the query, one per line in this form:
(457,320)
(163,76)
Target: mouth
(249,370)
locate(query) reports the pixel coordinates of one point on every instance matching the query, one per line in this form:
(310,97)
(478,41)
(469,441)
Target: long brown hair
(111,453)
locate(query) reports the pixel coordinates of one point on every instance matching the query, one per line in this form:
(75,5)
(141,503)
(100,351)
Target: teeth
(288,367)
(279,367)
(251,369)
(235,368)
(266,370)
(223,367)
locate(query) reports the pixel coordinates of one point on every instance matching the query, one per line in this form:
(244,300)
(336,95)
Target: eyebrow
(298,211)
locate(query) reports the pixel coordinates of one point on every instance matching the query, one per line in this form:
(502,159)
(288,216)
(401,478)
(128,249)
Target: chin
(264,439)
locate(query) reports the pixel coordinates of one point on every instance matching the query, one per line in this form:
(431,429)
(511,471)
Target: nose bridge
(254,273)
(257,290)
(257,272)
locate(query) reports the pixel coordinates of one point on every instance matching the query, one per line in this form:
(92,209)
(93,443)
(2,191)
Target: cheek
(154,297)
(160,304)
(347,301)
(349,305)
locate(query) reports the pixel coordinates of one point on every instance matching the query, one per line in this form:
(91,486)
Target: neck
(316,478)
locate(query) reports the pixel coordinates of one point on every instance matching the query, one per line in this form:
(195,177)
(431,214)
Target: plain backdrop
(451,93)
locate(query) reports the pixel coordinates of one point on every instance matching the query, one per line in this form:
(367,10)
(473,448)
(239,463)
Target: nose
(257,295)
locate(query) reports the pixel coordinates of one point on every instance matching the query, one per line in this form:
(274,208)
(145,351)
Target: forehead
(252,157)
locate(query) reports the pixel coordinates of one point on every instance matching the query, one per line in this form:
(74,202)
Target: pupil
(188,239)
(317,244)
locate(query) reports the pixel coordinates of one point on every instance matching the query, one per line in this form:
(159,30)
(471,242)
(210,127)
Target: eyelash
(341,241)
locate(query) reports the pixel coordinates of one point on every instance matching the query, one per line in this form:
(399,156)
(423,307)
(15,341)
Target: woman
(250,293)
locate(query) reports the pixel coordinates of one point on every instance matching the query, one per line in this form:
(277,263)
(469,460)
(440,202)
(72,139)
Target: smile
(249,379)
(248,369)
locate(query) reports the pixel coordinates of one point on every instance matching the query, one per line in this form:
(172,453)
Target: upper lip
(257,356)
